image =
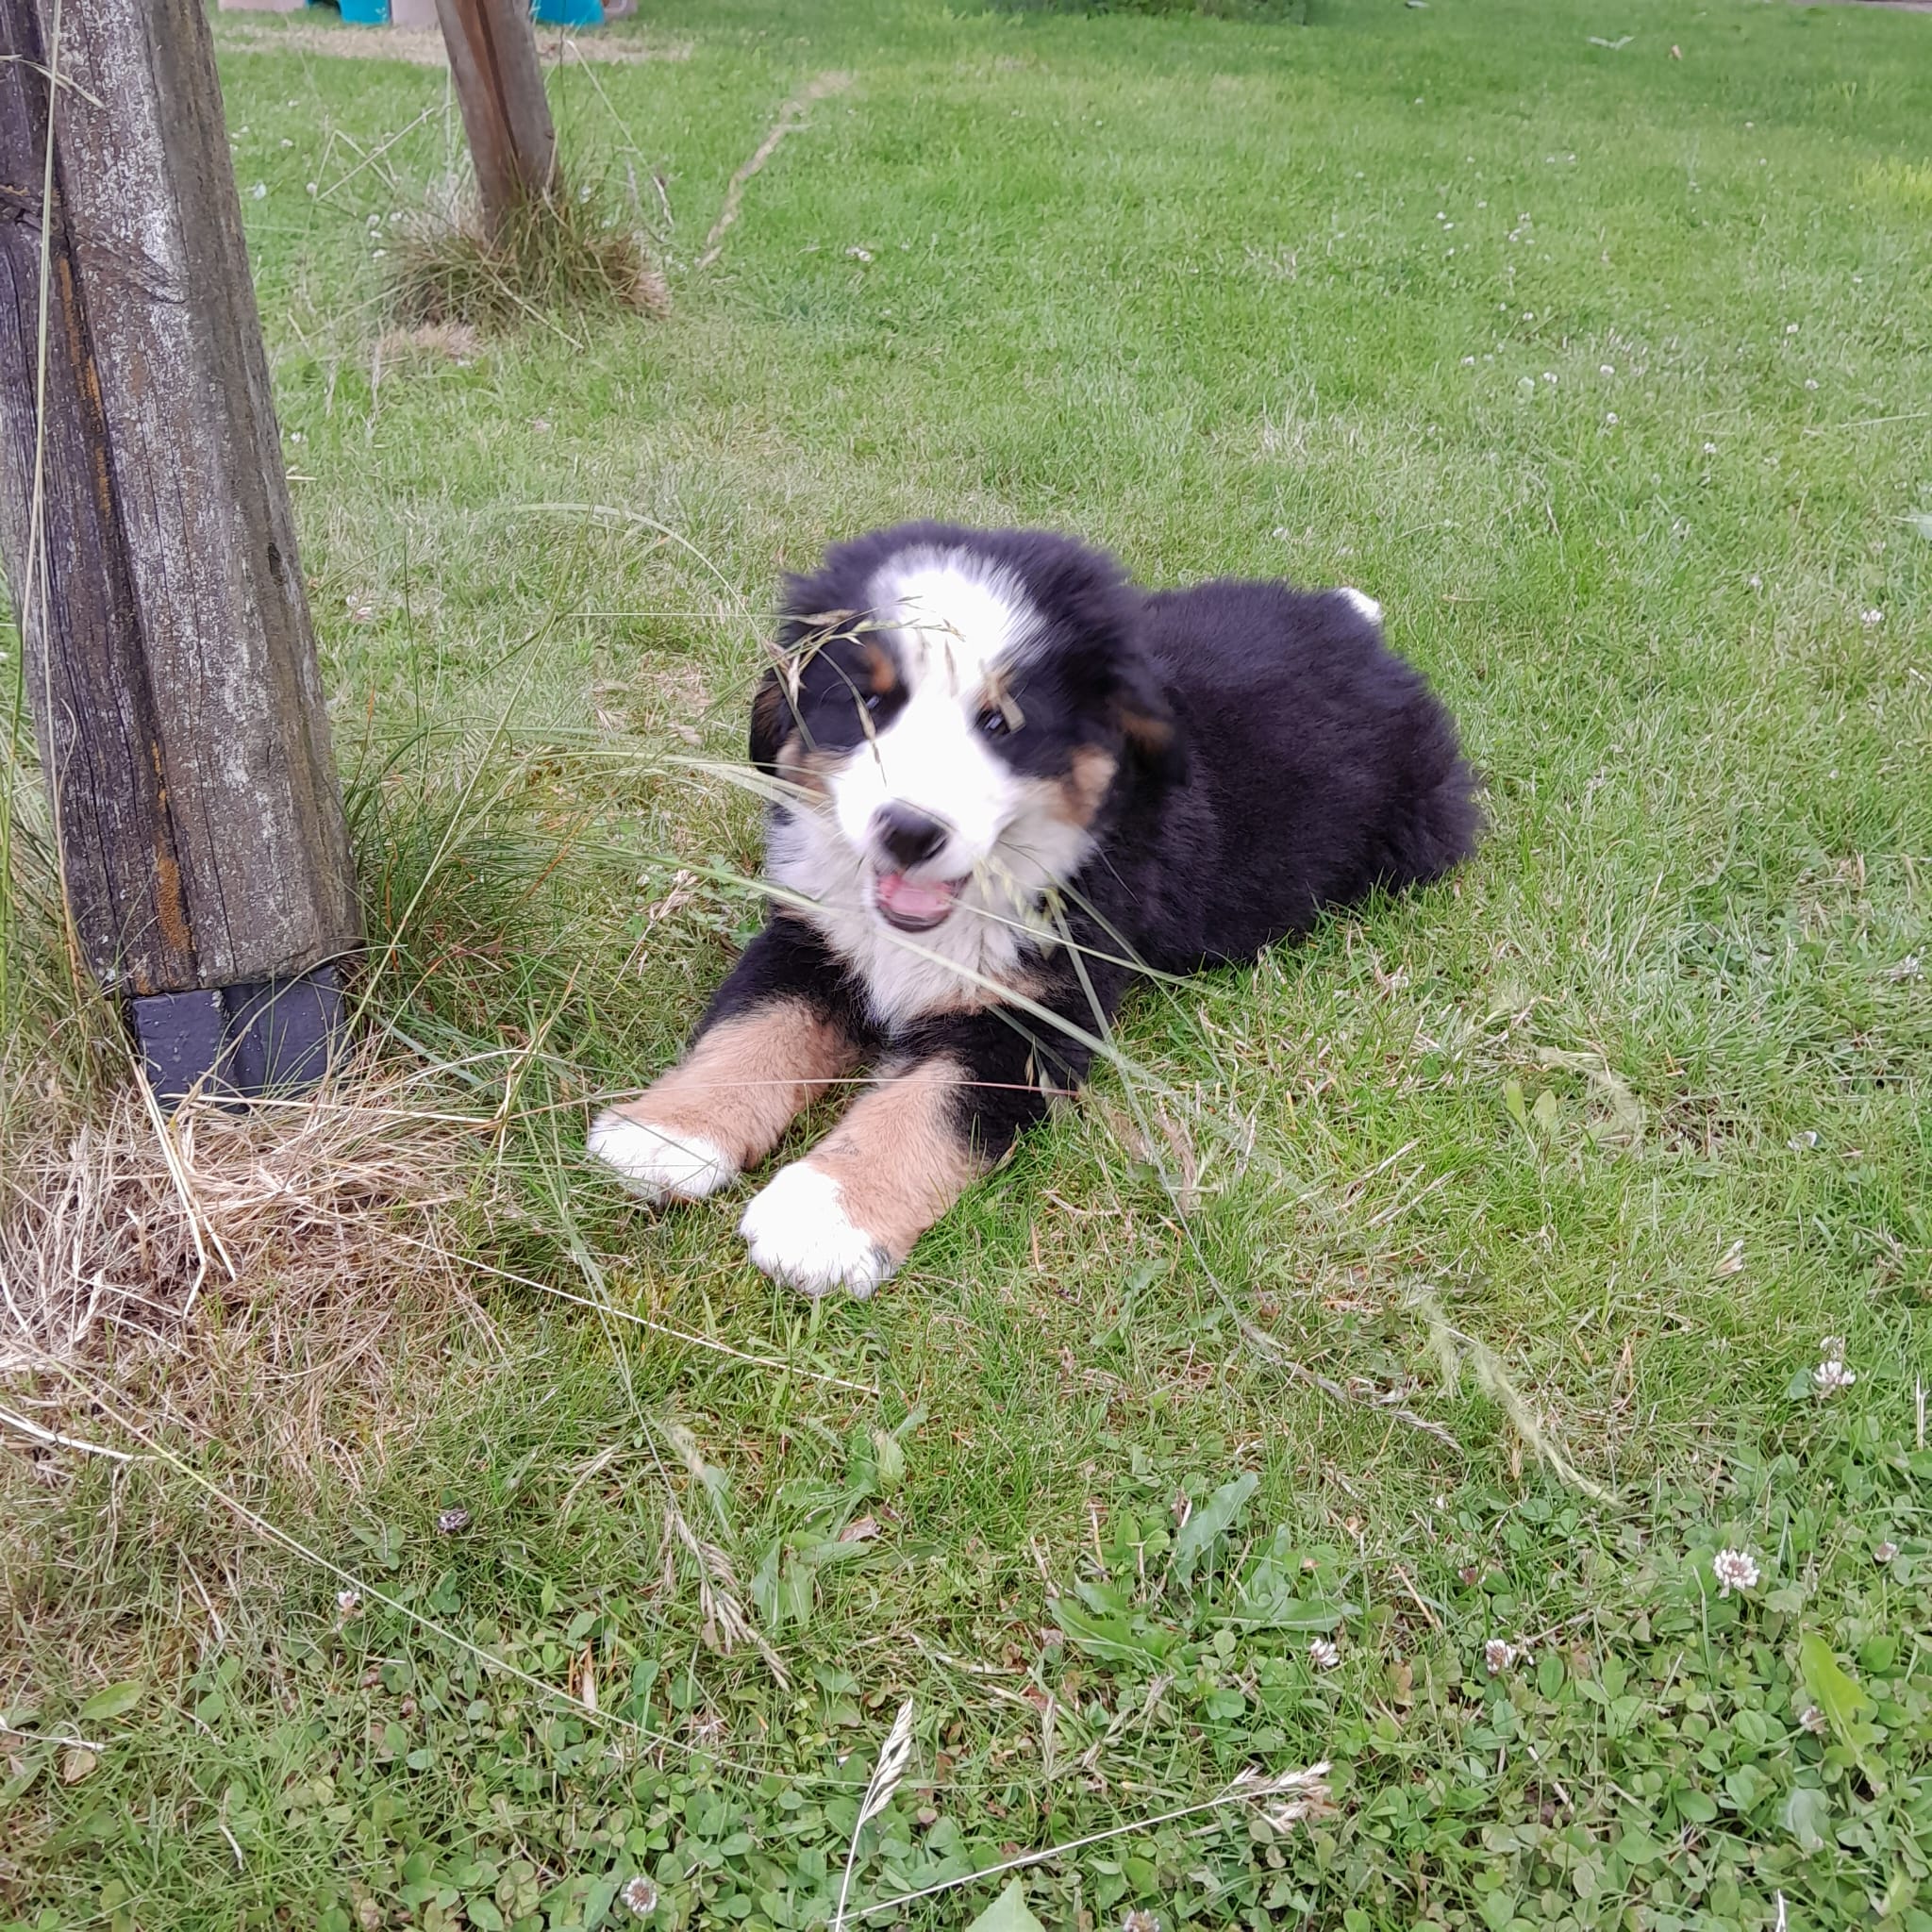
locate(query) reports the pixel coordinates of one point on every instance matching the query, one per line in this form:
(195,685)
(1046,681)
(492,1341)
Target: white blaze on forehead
(956,623)
(957,618)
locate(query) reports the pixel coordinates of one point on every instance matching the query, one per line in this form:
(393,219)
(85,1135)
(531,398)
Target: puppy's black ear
(1147,721)
(770,721)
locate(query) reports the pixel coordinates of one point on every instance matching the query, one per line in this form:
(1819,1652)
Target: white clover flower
(1711,449)
(453,1519)
(260,192)
(1870,617)
(1140,1921)
(1813,1720)
(1607,369)
(1831,1374)
(1885,1552)
(640,1895)
(1734,1570)
(1498,1656)
(348,1602)
(1322,1654)
(1612,418)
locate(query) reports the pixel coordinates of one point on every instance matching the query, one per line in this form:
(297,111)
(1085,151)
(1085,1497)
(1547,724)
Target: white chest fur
(963,963)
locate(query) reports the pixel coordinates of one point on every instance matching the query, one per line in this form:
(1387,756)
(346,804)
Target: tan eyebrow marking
(881,668)
(993,695)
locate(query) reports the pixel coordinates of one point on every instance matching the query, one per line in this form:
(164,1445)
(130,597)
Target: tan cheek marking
(898,1158)
(745,1082)
(1084,788)
(810,770)
(769,709)
(1153,735)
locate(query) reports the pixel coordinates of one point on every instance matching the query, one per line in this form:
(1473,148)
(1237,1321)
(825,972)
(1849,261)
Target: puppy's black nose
(908,835)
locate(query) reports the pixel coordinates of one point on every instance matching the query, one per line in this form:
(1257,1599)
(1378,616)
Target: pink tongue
(899,894)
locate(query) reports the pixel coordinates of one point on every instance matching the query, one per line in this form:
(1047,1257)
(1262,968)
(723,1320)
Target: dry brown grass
(434,341)
(264,1277)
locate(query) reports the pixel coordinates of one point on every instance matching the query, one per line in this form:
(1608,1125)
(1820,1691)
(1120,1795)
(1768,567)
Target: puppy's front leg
(848,1214)
(783,1025)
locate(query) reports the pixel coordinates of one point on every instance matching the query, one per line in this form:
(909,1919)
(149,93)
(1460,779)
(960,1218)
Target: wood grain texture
(171,664)
(499,87)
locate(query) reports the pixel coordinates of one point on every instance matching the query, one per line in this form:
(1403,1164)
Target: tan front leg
(726,1104)
(848,1213)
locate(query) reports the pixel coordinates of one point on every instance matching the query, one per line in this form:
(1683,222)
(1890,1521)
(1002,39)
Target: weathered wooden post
(499,86)
(150,548)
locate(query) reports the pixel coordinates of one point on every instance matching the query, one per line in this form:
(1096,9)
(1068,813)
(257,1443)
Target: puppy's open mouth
(914,906)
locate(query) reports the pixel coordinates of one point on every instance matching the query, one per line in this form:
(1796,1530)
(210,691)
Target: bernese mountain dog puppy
(1003,779)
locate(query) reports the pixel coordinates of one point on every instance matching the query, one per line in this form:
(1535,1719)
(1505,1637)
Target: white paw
(1363,605)
(798,1234)
(656,1164)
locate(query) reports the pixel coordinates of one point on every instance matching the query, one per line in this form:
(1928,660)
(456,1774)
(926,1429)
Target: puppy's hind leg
(777,1034)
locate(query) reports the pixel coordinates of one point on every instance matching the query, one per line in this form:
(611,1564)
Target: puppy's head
(957,708)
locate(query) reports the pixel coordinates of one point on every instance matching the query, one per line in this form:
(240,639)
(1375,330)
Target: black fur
(1275,758)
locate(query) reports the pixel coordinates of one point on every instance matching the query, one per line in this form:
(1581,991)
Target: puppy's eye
(992,722)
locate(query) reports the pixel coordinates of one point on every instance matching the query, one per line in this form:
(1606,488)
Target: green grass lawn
(1459,1275)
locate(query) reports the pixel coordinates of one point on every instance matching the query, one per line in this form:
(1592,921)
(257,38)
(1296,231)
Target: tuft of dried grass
(433,342)
(318,1228)
(572,253)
